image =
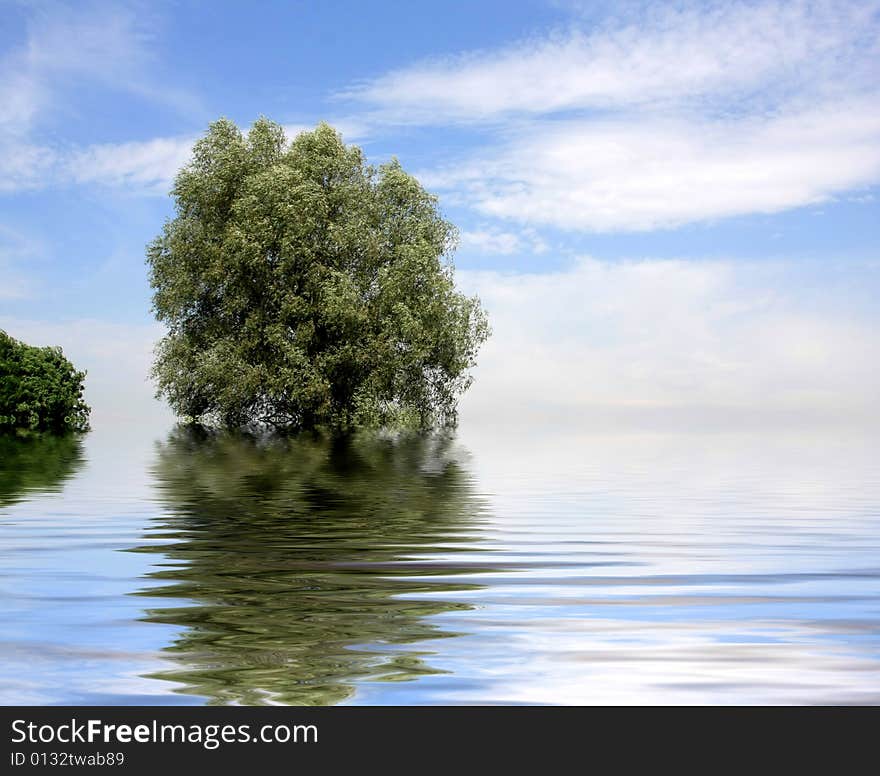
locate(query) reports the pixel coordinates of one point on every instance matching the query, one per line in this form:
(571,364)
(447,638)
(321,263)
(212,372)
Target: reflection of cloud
(614,662)
(675,343)
(668,568)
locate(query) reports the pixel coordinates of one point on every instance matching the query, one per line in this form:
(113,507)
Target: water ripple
(228,569)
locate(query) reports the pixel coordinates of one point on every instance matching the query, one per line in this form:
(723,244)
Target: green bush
(40,390)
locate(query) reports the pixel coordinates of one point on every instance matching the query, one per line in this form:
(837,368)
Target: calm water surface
(172,567)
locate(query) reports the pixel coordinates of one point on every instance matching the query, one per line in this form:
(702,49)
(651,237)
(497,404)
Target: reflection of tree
(290,555)
(36,463)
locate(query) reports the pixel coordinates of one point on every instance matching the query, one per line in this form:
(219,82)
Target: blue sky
(670,209)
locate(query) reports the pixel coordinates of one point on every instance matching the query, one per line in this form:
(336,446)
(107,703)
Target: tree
(303,288)
(39,390)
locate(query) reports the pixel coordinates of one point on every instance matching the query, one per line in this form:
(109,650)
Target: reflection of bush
(290,554)
(36,463)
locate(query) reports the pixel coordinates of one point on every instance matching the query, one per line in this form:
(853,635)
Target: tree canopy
(40,390)
(303,288)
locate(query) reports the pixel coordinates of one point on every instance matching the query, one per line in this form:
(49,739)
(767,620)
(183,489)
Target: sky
(669,209)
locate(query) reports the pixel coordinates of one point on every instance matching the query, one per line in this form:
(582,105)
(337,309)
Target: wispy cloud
(662,116)
(618,174)
(68,48)
(20,98)
(148,167)
(492,241)
(24,165)
(666,52)
(107,44)
(145,167)
(142,167)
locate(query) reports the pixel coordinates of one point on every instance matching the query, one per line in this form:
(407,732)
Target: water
(176,568)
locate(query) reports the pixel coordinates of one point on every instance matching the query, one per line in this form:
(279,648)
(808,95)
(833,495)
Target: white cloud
(20,97)
(13,285)
(100,44)
(628,175)
(65,50)
(665,116)
(669,52)
(24,165)
(107,43)
(493,241)
(148,166)
(672,343)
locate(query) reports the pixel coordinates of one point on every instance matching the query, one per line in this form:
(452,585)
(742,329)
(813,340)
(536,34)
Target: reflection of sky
(69,630)
(608,569)
(715,568)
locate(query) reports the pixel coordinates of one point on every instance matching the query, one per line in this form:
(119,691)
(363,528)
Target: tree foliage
(303,288)
(40,390)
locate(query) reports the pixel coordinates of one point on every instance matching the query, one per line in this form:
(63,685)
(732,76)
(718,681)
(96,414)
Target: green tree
(303,288)
(40,390)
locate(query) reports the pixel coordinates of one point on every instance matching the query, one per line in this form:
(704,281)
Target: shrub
(40,390)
